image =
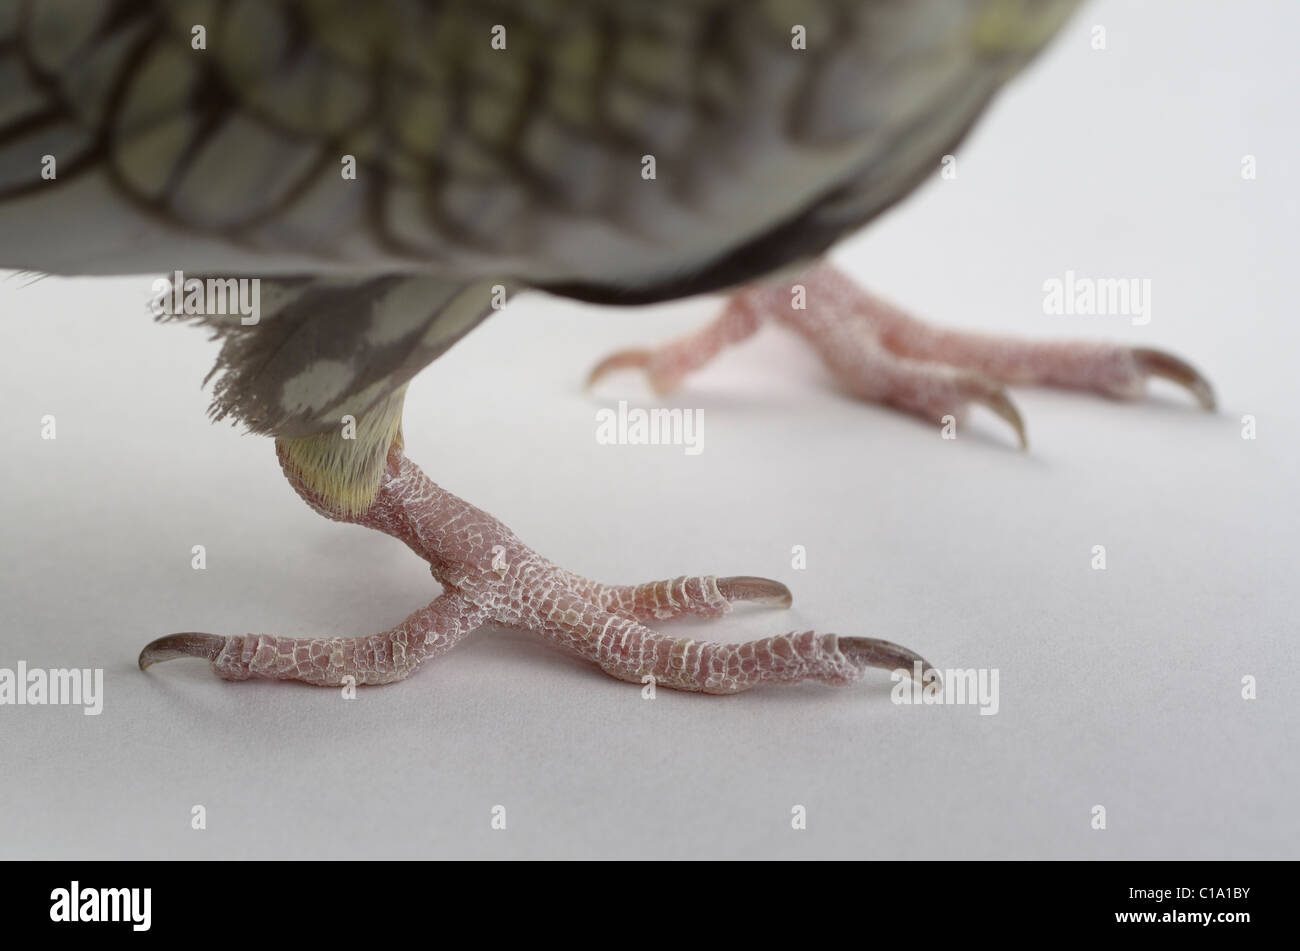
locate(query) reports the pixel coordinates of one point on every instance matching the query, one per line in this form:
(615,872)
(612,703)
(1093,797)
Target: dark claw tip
(189,644)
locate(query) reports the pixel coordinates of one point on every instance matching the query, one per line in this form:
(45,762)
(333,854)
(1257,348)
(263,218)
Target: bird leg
(490,576)
(883,355)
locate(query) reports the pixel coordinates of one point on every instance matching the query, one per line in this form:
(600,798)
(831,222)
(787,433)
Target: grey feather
(326,348)
(473,161)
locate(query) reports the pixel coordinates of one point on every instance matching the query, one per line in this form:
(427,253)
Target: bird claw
(188,644)
(970,387)
(762,591)
(622,360)
(992,395)
(661,382)
(886,655)
(1166,366)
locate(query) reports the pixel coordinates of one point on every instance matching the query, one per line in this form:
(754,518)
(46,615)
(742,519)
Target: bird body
(391,171)
(382,166)
(522,153)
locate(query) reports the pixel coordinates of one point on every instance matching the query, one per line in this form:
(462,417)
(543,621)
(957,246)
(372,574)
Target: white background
(1118,687)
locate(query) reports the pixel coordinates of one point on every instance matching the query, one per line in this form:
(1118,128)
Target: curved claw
(988,392)
(189,644)
(1175,369)
(622,360)
(763,591)
(1001,404)
(873,652)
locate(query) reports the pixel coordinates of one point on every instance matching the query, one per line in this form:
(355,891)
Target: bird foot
(883,355)
(490,576)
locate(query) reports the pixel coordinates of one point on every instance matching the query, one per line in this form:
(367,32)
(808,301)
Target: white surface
(1119,688)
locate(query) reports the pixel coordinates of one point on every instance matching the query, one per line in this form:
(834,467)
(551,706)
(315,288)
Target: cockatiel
(392,172)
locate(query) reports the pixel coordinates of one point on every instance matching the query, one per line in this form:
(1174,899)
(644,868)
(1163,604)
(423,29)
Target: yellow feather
(344,467)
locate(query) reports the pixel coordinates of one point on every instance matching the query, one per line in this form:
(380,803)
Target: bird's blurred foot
(666,365)
(490,576)
(883,355)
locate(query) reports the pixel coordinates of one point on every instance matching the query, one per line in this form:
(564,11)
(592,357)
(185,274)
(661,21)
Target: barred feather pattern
(474,159)
(207,136)
(325,349)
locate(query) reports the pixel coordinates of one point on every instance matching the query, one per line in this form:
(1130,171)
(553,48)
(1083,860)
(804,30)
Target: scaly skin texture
(883,355)
(491,576)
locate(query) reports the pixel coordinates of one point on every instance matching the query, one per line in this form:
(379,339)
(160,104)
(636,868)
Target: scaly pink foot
(489,576)
(883,355)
